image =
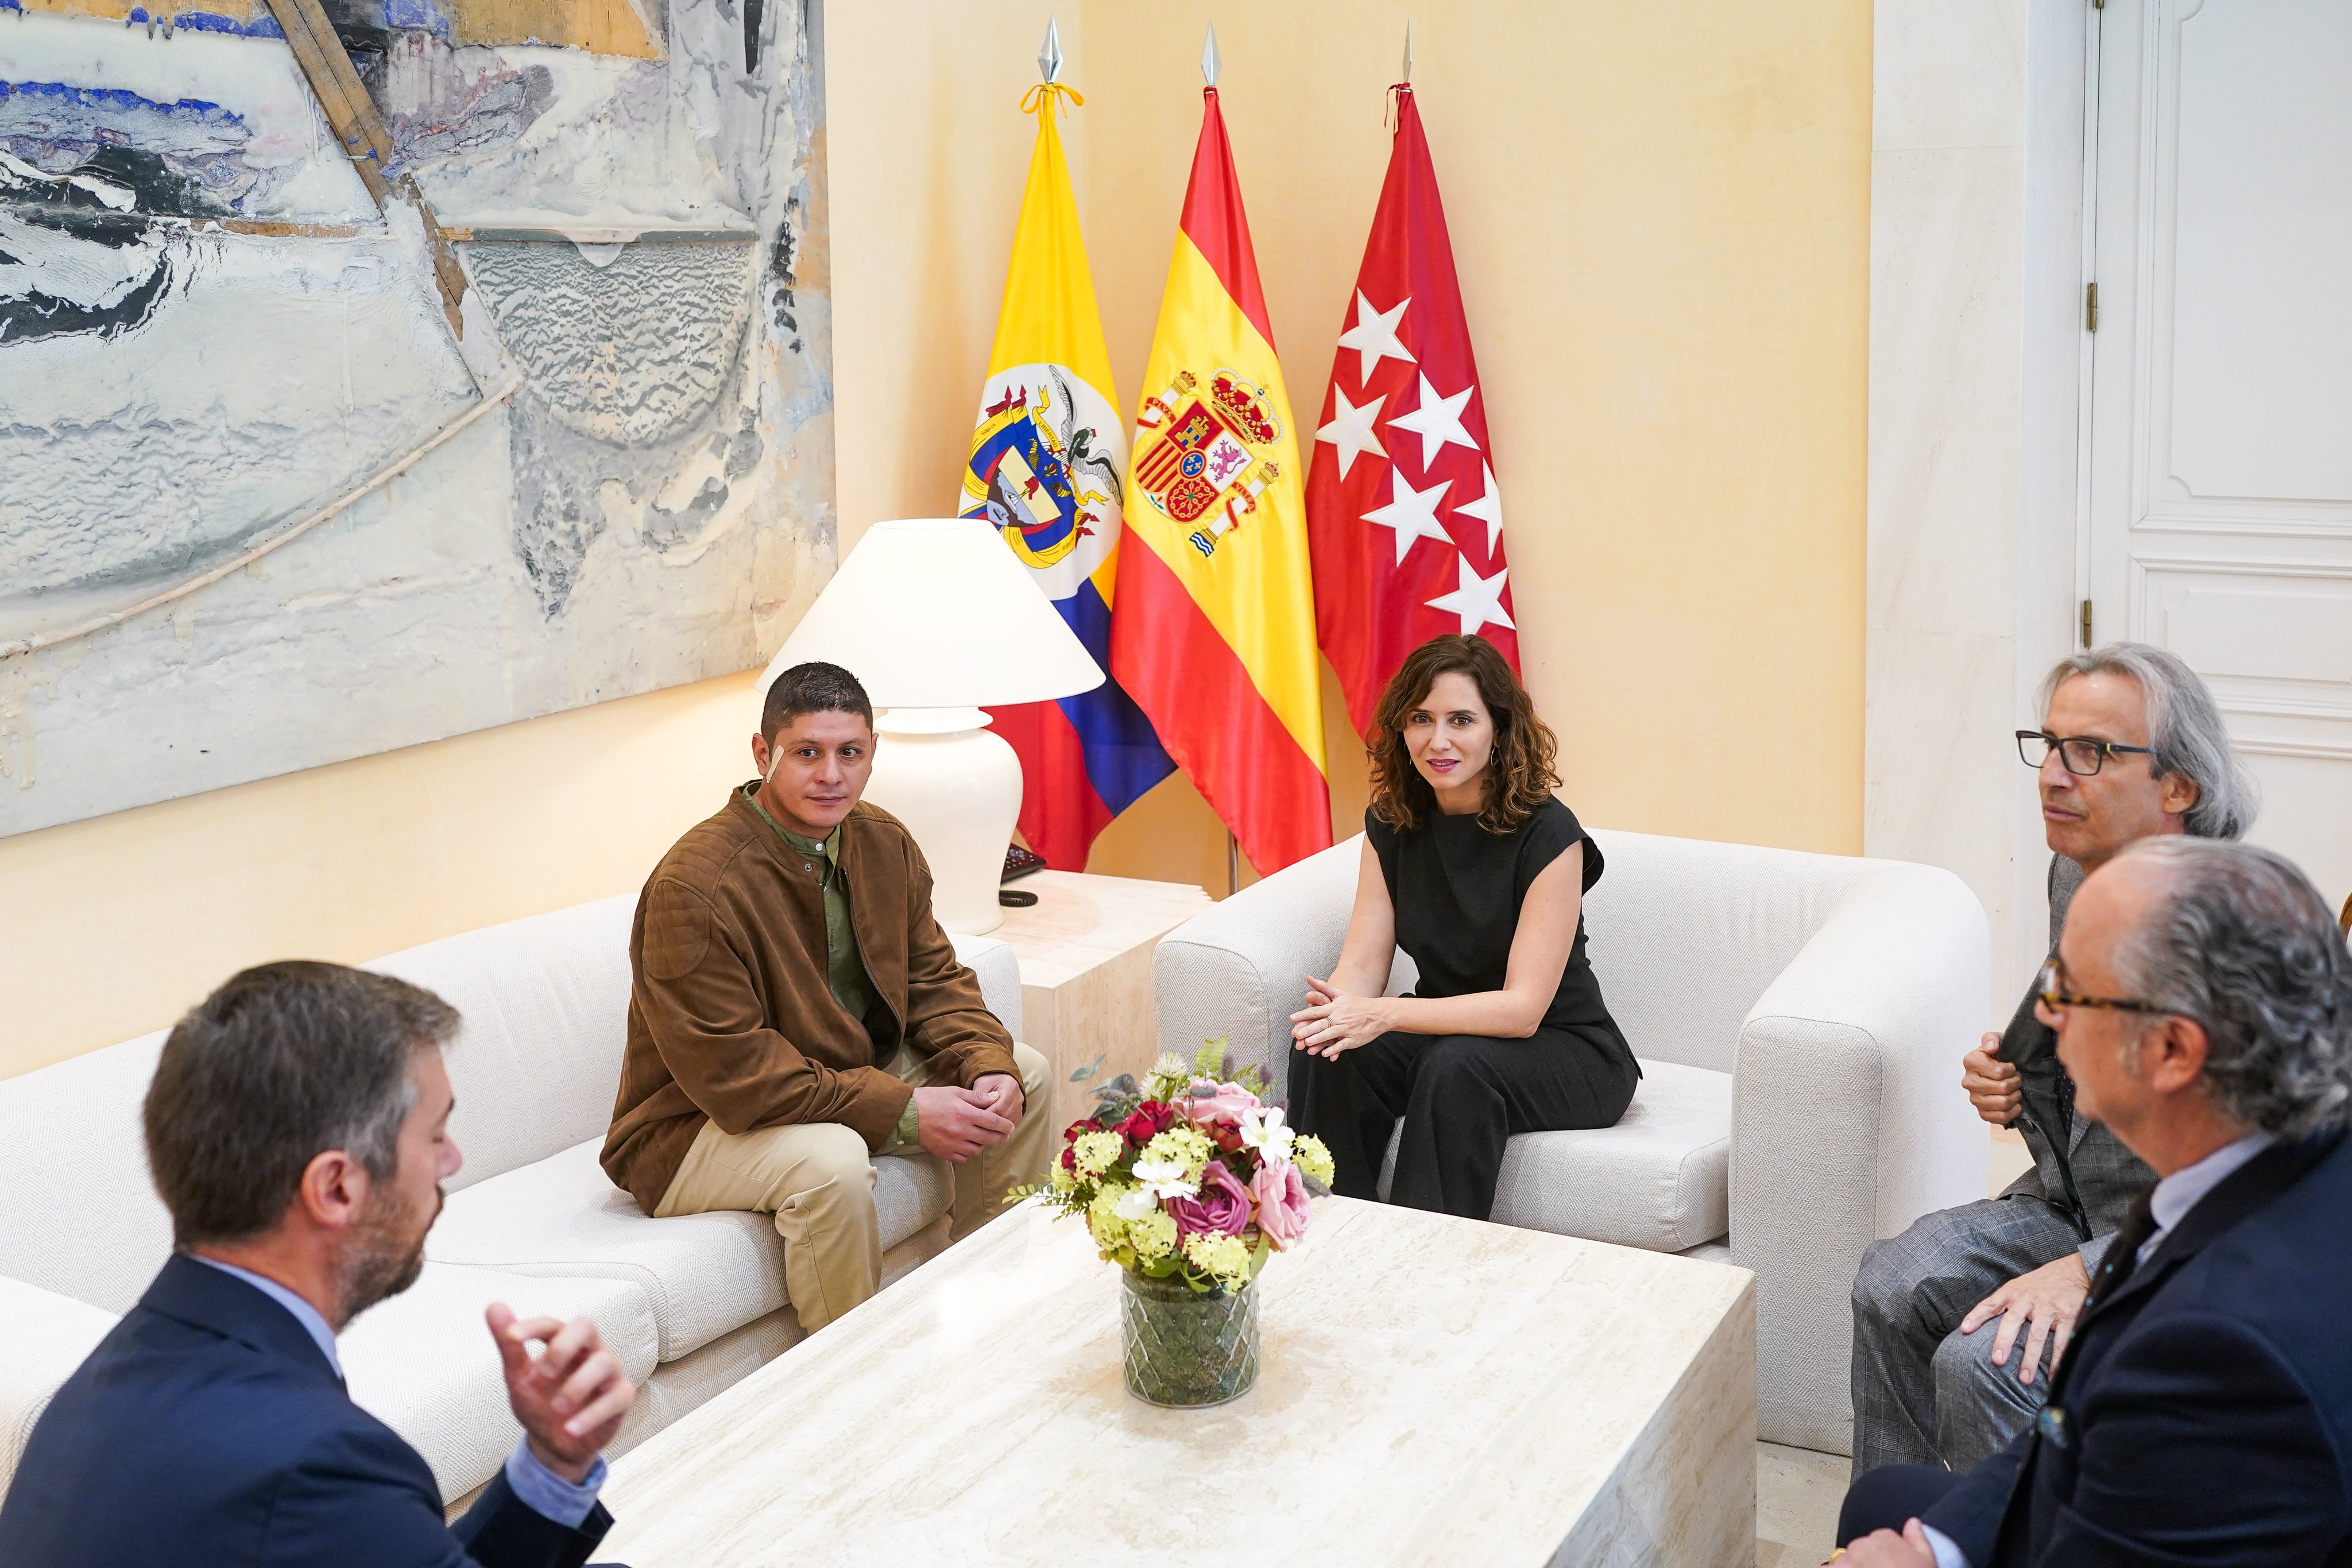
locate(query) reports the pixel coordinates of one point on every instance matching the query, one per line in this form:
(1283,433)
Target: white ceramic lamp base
(957,785)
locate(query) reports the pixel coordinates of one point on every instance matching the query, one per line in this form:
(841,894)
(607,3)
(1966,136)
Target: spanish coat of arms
(1200,460)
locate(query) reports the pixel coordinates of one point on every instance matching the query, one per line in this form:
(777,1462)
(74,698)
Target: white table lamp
(935,617)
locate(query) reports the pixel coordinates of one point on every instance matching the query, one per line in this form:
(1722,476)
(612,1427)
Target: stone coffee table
(1434,1391)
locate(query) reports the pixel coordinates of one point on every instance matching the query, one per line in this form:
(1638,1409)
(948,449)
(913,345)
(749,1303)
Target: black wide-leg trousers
(1461,1096)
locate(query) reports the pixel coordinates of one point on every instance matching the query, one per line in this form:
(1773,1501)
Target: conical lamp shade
(936,613)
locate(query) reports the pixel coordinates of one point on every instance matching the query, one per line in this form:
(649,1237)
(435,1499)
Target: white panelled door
(2220,515)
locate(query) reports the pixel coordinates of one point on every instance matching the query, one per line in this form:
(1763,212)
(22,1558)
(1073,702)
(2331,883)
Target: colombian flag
(1048,468)
(1215,630)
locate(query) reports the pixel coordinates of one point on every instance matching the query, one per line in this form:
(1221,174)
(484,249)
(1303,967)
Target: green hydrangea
(1153,1237)
(1102,1216)
(1225,1258)
(1314,1161)
(1187,1145)
(1096,1151)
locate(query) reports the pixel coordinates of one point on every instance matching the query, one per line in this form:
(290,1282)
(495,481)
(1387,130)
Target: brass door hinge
(2091,308)
(2086,624)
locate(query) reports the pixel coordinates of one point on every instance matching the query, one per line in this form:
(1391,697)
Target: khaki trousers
(817,1181)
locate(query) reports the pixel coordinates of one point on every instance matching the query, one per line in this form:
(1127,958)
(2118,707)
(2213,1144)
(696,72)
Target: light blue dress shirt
(2174,1197)
(542,1491)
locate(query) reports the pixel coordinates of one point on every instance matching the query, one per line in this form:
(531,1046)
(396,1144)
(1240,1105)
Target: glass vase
(1183,1347)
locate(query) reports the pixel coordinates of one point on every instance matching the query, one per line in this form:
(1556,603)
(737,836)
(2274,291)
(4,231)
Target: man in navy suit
(298,1130)
(2202,997)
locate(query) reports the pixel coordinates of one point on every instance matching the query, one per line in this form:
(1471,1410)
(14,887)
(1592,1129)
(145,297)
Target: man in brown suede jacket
(796,1009)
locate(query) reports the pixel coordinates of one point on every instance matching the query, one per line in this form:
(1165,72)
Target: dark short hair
(1520,774)
(282,1063)
(814,687)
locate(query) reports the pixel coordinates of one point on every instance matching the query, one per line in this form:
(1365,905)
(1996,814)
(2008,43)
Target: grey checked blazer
(2079,1167)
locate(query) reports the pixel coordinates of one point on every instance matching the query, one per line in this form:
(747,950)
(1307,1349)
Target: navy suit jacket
(2203,1413)
(208,1429)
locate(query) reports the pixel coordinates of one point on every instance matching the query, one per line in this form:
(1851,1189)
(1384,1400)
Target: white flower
(1163,1178)
(1134,1204)
(1263,1130)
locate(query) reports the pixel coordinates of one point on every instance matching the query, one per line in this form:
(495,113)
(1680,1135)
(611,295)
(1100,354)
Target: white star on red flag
(1404,387)
(1351,429)
(1437,421)
(1487,508)
(1476,600)
(1374,335)
(1413,513)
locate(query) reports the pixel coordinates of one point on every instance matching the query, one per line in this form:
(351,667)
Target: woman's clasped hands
(1333,1021)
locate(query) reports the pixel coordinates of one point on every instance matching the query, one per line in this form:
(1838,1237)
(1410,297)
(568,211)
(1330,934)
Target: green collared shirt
(845,969)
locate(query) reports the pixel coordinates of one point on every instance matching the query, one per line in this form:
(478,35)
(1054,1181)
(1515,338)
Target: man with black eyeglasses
(1958,1320)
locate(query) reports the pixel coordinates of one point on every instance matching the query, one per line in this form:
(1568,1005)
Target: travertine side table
(1085,975)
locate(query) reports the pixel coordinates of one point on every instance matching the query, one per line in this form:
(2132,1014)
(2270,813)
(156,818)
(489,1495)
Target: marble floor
(1797,1496)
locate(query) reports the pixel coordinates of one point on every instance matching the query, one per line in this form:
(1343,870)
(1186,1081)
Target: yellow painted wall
(1661,216)
(116,925)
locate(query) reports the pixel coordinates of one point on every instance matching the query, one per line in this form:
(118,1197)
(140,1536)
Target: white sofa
(1799,1020)
(689,1305)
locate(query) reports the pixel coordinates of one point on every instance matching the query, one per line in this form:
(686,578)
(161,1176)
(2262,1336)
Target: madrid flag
(1401,503)
(1047,468)
(1215,633)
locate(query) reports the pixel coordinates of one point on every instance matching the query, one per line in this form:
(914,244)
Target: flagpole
(1233,863)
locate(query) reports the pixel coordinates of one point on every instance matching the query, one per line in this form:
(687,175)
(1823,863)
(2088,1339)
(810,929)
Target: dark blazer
(208,1429)
(2203,1413)
(2079,1167)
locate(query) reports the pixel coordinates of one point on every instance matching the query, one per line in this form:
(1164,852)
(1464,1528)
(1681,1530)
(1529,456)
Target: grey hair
(280,1064)
(2184,727)
(2241,943)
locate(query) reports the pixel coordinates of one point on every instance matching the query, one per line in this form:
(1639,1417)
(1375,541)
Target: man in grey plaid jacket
(1958,1320)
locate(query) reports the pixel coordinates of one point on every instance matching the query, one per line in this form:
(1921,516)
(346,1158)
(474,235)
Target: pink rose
(1223,1102)
(1281,1194)
(1222,1206)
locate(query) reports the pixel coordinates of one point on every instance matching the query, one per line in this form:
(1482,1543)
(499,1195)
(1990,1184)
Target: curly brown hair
(1520,773)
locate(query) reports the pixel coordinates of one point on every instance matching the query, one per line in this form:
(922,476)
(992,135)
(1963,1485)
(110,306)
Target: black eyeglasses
(2050,990)
(2078,754)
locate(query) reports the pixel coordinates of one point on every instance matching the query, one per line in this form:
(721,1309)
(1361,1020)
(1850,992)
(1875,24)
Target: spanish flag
(1048,467)
(1215,633)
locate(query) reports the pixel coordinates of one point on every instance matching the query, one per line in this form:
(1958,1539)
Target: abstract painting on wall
(273,495)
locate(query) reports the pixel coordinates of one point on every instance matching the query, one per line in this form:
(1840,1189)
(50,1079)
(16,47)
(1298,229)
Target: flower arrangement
(1189,1175)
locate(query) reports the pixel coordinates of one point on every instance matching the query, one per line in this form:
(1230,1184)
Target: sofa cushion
(546,1004)
(997,967)
(79,1216)
(422,1363)
(48,1335)
(704,1274)
(1660,1178)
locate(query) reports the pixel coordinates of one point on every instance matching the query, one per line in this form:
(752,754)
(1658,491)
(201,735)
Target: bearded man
(298,1128)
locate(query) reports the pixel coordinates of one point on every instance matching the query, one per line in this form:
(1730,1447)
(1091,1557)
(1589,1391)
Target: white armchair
(1799,1020)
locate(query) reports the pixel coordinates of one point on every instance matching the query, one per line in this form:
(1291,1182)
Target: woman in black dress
(1476,871)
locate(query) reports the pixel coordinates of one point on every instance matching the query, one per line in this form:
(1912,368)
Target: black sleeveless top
(1456,890)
